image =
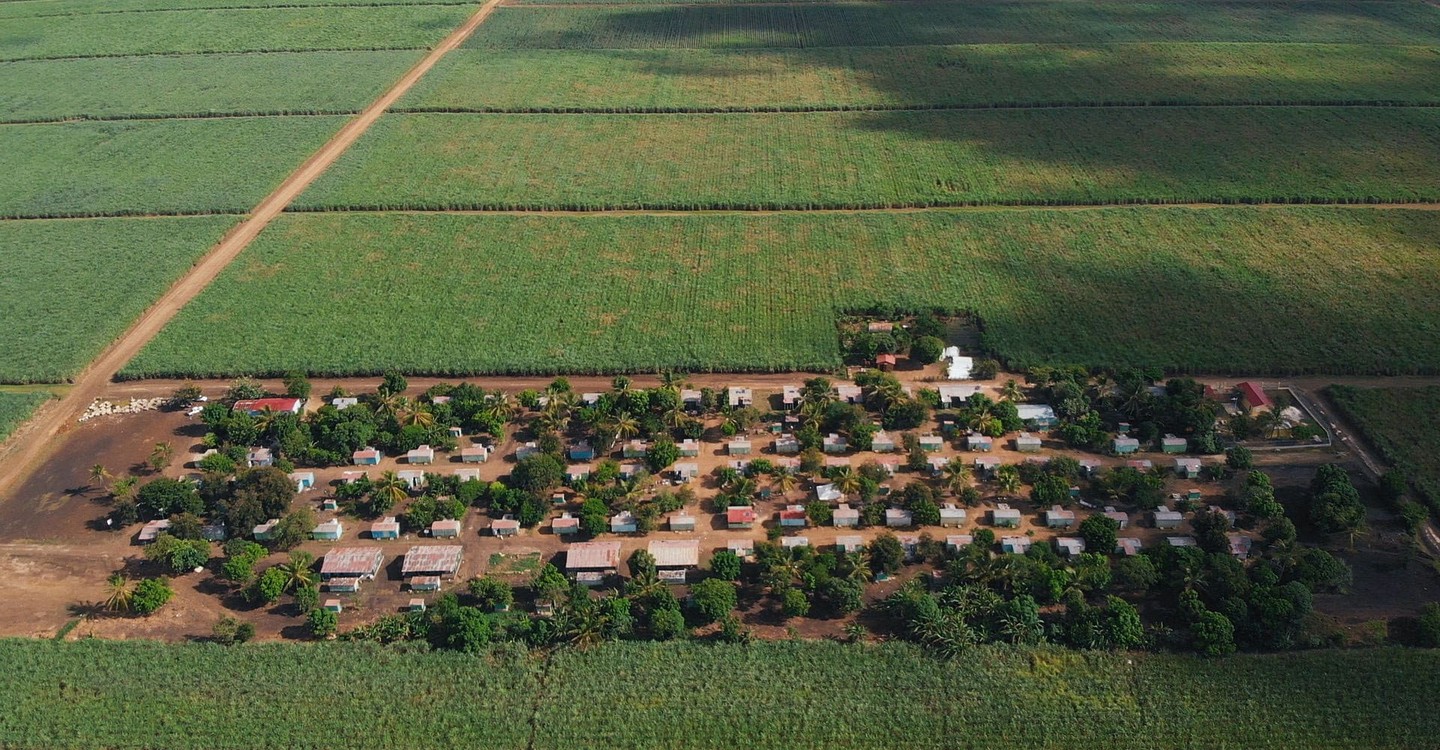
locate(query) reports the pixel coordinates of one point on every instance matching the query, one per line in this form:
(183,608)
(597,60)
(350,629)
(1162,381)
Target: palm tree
(785,483)
(390,489)
(848,482)
(859,561)
(298,570)
(266,420)
(672,380)
(390,404)
(957,475)
(100,475)
(123,488)
(120,593)
(884,393)
(1011,391)
(159,457)
(1270,423)
(1008,478)
(625,425)
(499,406)
(415,414)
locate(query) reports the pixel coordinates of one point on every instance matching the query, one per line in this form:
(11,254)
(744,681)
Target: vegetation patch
(16,408)
(1113,287)
(669,80)
(33,8)
(196,85)
(1399,423)
(889,159)
(71,287)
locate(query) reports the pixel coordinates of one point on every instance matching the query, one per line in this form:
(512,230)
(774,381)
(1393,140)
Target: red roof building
(885,361)
(257,406)
(1253,397)
(740,516)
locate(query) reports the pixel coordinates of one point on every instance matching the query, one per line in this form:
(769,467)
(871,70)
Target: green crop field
(1214,290)
(982,22)
(70,287)
(267,30)
(886,159)
(17,407)
(1400,424)
(123,694)
(41,8)
(154,86)
(168,166)
(957,76)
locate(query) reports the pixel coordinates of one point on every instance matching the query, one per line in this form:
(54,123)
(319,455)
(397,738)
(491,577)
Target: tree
(150,595)
(794,603)
(1213,634)
(1050,490)
(244,388)
(549,584)
(886,554)
(298,570)
(1123,628)
(927,350)
(1012,391)
(666,624)
(307,597)
(322,622)
(185,395)
(1320,571)
(725,565)
(1099,532)
(293,529)
(1239,458)
(1335,503)
(269,586)
(1429,632)
(1136,573)
(241,556)
(160,456)
(164,497)
(713,599)
(1008,478)
(297,385)
(662,455)
(538,473)
(840,596)
(392,384)
(178,555)
(492,594)
(119,593)
(230,631)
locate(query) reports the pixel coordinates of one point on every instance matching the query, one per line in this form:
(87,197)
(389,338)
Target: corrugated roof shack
(432,560)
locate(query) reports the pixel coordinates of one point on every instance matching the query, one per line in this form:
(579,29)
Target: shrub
(150,595)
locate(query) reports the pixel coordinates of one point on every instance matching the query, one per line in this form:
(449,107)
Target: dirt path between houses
(41,435)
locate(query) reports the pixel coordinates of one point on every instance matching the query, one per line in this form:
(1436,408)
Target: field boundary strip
(274,51)
(295,6)
(19,458)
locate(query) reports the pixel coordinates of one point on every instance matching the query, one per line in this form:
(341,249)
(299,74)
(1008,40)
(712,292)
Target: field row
(17,407)
(940,23)
(47,8)
(1312,289)
(197,85)
(860,77)
(1400,424)
(868,159)
(94,694)
(202,31)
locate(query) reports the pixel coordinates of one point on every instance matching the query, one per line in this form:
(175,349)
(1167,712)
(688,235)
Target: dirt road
(22,455)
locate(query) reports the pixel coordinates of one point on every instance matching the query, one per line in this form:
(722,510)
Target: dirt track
(39,437)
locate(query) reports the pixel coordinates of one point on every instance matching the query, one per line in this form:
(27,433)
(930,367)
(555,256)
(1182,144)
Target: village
(717,467)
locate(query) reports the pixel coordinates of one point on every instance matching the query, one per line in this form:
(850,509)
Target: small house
(957,542)
(1239,545)
(794,542)
(416,605)
(682,521)
(1037,416)
(341,403)
(937,465)
(413,478)
(956,396)
(793,516)
(952,516)
(740,517)
(979,443)
(503,527)
(425,583)
(899,518)
(448,528)
(1126,445)
(565,525)
(441,560)
(1171,444)
(351,562)
(334,605)
(152,529)
(258,406)
(631,470)
(623,523)
(691,399)
(685,470)
(890,465)
(590,398)
(1140,464)
(1123,428)
(743,548)
(845,517)
(689,448)
(466,475)
(590,562)
(1059,518)
(214,532)
(1015,545)
(675,558)
(986,466)
(1181,541)
(635,449)
(931,443)
(789,396)
(738,447)
(1027,443)
(422,455)
(880,326)
(827,493)
(582,452)
(787,444)
(474,454)
(351,477)
(910,545)
(1127,546)
(1253,398)
(834,444)
(1119,516)
(881,442)
(265,531)
(738,398)
(1167,519)
(304,480)
(258,457)
(1005,516)
(850,394)
(578,473)
(1069,546)
(1193,496)
(385,528)
(526,450)
(1090,467)
(849,543)
(343,585)
(1187,468)
(329,530)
